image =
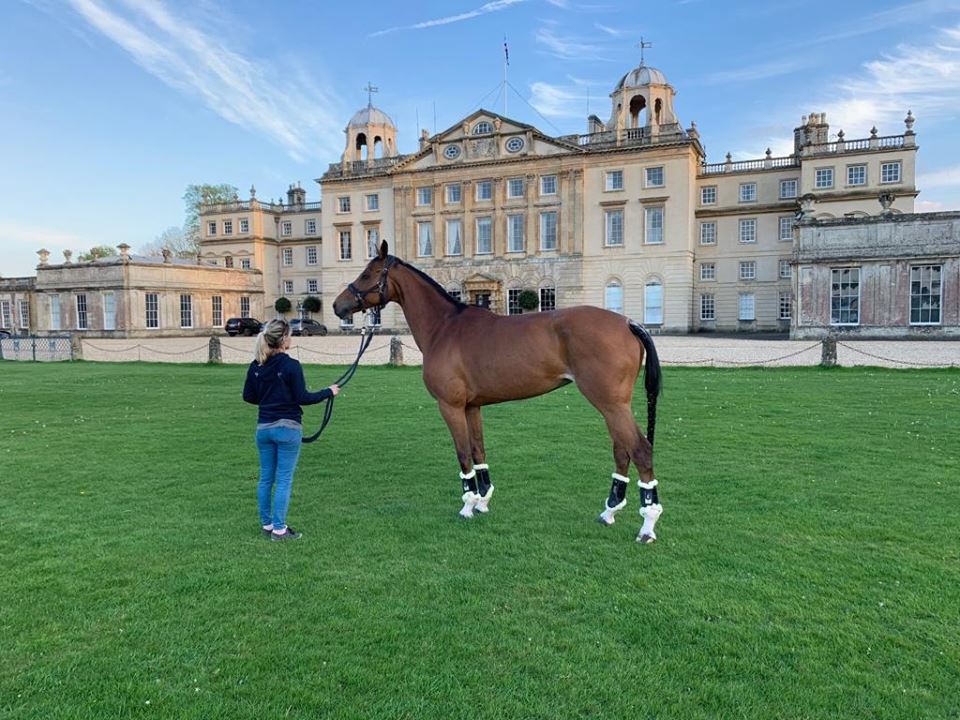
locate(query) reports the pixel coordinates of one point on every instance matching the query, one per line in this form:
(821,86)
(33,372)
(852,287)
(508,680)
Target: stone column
(214,356)
(396,352)
(828,356)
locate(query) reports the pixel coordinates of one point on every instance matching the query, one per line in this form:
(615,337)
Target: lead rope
(367,337)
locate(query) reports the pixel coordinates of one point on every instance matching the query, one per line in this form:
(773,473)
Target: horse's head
(370,289)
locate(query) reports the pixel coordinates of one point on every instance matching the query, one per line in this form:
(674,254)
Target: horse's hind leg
(650,507)
(484,487)
(623,431)
(456,420)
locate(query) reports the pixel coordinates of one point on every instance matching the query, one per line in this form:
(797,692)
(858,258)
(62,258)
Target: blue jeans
(279,450)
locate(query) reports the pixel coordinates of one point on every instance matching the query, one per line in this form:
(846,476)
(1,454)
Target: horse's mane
(461,306)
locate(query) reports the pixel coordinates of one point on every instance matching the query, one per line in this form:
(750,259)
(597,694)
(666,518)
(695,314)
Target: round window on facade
(451,152)
(514,144)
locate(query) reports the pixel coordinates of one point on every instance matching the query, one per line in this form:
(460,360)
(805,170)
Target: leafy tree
(193,198)
(173,240)
(96,252)
(311,304)
(282,305)
(528,300)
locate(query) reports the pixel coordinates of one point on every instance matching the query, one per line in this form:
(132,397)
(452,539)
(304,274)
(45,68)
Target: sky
(110,108)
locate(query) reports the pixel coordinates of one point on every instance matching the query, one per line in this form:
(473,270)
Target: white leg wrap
(481,466)
(650,515)
(607,517)
(470,500)
(483,502)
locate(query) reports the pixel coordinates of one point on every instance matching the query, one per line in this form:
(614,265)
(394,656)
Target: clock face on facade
(514,144)
(451,152)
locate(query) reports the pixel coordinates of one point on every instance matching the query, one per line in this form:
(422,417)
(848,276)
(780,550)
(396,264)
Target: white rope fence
(687,350)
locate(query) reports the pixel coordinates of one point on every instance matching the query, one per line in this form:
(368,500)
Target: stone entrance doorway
(483,291)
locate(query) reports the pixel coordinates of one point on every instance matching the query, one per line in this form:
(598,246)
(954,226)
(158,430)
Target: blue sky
(109,108)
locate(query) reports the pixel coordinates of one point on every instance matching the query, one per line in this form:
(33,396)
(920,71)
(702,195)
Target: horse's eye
(365,276)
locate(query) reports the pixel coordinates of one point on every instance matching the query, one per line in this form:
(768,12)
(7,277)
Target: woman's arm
(250,394)
(302,396)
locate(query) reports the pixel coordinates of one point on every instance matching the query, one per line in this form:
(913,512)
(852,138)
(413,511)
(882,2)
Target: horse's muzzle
(345,307)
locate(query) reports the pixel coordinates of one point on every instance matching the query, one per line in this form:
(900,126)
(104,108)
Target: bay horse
(473,357)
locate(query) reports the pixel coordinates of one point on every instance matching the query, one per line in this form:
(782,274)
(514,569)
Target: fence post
(828,355)
(214,355)
(76,347)
(396,352)
(33,347)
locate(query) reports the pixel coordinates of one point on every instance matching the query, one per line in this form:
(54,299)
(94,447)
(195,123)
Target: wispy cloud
(570,48)
(750,73)
(916,12)
(482,10)
(946,177)
(611,31)
(248,92)
(569,100)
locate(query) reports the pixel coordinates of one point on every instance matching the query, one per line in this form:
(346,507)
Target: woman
(275,383)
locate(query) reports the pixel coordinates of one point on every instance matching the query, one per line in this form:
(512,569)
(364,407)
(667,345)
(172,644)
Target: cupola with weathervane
(371,133)
(643,101)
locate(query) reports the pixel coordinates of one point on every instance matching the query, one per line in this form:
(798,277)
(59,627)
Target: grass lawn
(808,564)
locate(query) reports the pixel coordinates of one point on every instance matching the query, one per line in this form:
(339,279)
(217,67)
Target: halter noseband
(380,288)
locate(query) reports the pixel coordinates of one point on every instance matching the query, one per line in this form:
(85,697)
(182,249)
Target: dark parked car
(306,326)
(242,326)
(5,334)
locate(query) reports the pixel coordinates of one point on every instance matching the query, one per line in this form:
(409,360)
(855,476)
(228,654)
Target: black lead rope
(344,379)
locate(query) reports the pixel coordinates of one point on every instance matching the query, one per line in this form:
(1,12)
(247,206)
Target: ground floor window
(81,312)
(747,307)
(6,317)
(217,311)
(186,311)
(54,312)
(653,303)
(152,305)
(708,310)
(109,311)
(24,308)
(244,307)
(785,305)
(613,297)
(548,299)
(513,301)
(925,295)
(845,296)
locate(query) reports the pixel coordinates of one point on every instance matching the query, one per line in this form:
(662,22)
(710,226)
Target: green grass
(808,564)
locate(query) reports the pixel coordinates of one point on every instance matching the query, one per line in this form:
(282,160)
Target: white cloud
(762,71)
(570,48)
(247,92)
(947,177)
(612,32)
(482,10)
(571,100)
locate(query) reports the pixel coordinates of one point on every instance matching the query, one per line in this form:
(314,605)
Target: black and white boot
(616,501)
(484,487)
(470,495)
(650,510)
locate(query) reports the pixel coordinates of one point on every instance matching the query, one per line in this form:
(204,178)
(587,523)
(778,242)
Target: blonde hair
(270,339)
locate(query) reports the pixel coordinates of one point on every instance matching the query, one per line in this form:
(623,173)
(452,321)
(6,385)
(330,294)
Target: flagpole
(506,61)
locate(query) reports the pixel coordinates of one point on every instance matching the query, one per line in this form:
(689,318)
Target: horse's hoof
(646,539)
(605,519)
(465,514)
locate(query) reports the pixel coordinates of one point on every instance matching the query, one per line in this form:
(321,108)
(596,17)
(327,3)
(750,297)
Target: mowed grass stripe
(807,565)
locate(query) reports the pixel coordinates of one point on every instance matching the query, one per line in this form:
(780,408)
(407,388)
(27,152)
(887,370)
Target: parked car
(306,326)
(6,334)
(242,326)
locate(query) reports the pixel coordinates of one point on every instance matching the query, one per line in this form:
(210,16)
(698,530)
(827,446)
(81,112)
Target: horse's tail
(652,378)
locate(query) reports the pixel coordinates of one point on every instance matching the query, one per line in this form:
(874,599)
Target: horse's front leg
(479,456)
(456,419)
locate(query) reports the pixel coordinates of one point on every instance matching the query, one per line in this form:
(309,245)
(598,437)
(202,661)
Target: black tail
(652,379)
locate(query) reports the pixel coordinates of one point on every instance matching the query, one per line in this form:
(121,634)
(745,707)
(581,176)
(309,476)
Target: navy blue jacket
(279,389)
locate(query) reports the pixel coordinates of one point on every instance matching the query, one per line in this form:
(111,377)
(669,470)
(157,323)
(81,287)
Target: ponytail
(270,339)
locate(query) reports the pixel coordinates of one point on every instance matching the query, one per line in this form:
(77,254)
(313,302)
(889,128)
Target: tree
(282,305)
(193,198)
(96,252)
(528,300)
(311,304)
(173,240)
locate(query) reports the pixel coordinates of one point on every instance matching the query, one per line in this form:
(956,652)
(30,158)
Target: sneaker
(266,533)
(288,534)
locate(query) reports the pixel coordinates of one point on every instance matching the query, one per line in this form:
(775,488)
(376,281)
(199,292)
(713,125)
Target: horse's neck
(423,308)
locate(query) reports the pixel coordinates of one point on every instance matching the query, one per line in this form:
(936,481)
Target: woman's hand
(335,389)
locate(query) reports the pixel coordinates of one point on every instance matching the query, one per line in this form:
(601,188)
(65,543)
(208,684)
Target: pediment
(479,278)
(484,136)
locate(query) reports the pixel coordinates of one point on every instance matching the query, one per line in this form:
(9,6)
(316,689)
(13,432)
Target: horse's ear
(383,250)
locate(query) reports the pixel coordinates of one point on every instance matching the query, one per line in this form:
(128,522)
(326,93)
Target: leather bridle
(380,288)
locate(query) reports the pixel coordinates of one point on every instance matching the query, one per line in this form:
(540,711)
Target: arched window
(613,297)
(361,146)
(378,147)
(482,128)
(657,107)
(653,303)
(637,104)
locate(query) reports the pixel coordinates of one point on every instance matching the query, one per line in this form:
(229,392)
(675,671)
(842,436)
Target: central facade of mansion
(629,216)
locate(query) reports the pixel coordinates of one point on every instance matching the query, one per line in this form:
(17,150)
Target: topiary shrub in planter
(528,301)
(311,304)
(282,305)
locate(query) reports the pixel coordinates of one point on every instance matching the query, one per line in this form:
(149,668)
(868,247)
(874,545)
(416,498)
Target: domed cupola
(642,99)
(370,133)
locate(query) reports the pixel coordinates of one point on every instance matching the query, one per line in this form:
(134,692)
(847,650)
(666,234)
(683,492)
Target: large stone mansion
(629,216)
